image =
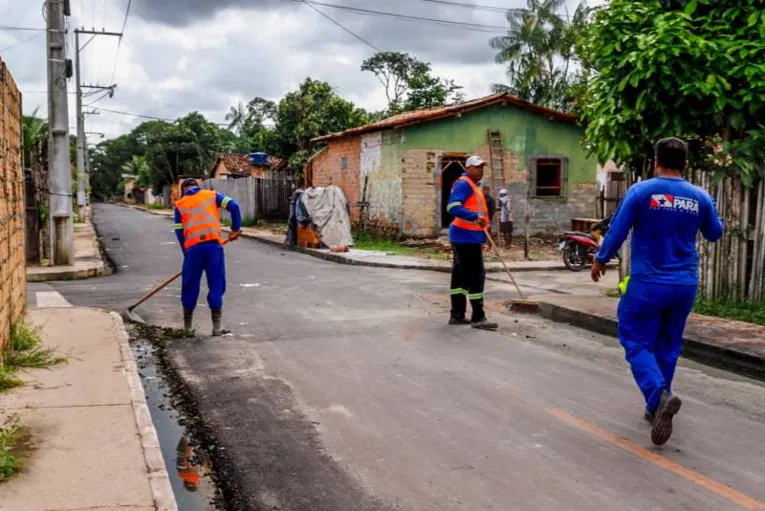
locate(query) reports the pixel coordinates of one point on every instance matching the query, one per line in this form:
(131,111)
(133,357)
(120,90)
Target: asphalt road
(343,389)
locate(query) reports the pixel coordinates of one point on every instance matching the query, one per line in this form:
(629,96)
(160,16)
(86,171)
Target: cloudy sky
(183,55)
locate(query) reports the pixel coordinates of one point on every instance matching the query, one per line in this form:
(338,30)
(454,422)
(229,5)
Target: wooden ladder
(497,169)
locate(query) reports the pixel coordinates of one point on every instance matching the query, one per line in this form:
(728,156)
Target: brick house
(235,165)
(410,161)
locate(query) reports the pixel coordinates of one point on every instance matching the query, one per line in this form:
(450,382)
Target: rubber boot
(217,315)
(188,317)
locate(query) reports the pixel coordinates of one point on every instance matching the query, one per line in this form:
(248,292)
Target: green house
(398,172)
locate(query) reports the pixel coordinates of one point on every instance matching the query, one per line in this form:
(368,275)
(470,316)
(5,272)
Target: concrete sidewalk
(87,264)
(91,444)
(378,259)
(716,341)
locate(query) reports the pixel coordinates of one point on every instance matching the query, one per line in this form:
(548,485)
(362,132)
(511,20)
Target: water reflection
(190,468)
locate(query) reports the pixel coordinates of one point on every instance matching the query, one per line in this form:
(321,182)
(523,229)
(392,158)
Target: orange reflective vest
(475,203)
(200,218)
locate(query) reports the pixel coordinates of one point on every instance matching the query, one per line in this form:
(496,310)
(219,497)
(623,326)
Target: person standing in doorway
(506,217)
(665,214)
(467,236)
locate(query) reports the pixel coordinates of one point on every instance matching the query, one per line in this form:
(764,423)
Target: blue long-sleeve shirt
(222,202)
(460,193)
(665,216)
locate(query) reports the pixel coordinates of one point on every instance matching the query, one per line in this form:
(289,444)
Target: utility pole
(82,146)
(59,176)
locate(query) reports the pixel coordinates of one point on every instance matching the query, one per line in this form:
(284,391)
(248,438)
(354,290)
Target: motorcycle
(579,248)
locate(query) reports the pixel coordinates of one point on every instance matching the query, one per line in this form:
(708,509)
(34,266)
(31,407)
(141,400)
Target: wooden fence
(258,197)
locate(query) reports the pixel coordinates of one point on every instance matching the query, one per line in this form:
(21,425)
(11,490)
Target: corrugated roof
(429,114)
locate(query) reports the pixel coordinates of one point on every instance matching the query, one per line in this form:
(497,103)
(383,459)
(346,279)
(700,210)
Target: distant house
(407,164)
(236,165)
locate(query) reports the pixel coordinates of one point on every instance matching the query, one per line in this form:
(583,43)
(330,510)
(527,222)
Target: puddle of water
(189,469)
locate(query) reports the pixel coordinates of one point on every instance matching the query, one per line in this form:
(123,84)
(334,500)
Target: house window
(343,162)
(549,176)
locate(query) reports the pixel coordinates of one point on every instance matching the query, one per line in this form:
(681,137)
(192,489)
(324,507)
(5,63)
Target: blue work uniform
(468,272)
(665,215)
(205,257)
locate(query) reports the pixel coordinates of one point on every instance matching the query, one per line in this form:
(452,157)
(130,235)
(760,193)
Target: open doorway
(452,167)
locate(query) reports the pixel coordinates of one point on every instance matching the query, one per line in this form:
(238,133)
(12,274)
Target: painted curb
(159,479)
(335,258)
(702,351)
(98,270)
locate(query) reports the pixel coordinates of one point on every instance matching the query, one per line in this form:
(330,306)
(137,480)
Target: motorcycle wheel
(572,258)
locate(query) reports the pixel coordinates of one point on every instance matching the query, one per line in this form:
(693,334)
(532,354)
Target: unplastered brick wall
(12,258)
(419,175)
(340,165)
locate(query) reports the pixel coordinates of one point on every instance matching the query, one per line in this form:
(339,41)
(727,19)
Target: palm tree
(139,167)
(34,129)
(538,49)
(236,117)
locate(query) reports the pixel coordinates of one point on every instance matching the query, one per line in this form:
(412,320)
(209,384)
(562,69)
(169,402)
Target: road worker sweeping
(665,215)
(197,226)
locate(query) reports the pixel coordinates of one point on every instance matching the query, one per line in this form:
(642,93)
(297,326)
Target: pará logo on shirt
(675,203)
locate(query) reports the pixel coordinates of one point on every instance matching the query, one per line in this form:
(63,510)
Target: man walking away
(197,226)
(665,214)
(466,234)
(506,217)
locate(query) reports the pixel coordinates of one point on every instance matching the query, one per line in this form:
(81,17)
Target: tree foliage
(687,68)
(34,129)
(408,82)
(539,52)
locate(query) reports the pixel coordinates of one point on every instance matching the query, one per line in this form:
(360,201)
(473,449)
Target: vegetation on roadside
(155,205)
(365,241)
(741,311)
(25,352)
(9,436)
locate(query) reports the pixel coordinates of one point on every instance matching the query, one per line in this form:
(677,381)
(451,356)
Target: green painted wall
(525,133)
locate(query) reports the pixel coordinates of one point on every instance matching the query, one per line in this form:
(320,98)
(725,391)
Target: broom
(522,305)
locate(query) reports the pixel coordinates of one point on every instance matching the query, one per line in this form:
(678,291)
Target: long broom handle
(499,255)
(160,287)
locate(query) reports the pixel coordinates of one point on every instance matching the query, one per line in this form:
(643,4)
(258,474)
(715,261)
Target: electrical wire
(21,42)
(478,27)
(7,27)
(354,34)
(119,43)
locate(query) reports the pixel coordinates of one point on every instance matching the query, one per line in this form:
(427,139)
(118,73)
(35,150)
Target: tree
(138,167)
(309,112)
(539,51)
(688,68)
(34,129)
(236,117)
(408,82)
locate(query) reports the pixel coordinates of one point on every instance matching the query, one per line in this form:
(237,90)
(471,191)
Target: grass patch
(26,350)
(249,221)
(9,435)
(364,241)
(8,380)
(741,311)
(613,293)
(154,205)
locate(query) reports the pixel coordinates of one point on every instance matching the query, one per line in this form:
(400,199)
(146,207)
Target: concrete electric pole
(59,173)
(82,146)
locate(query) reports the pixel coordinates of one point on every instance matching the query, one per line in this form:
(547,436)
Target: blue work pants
(651,322)
(208,258)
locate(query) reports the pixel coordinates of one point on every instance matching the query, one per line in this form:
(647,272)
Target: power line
(6,27)
(118,112)
(354,34)
(477,7)
(479,27)
(21,42)
(119,43)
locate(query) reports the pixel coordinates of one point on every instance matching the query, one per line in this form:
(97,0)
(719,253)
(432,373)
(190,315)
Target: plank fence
(258,197)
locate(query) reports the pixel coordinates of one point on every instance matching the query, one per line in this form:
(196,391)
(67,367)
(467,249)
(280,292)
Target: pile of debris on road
(319,218)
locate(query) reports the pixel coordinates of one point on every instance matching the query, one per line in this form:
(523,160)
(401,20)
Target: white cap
(474,161)
(503,192)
